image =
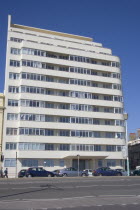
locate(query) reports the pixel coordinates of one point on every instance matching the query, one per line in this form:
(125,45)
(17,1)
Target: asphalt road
(91,193)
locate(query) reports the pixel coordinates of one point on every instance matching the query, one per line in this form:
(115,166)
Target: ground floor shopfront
(14,166)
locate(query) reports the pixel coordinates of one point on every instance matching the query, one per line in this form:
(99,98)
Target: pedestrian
(6,173)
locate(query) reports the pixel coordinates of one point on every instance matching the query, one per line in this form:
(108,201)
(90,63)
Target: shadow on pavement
(44,187)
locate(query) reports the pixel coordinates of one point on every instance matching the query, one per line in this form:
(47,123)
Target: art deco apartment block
(63,98)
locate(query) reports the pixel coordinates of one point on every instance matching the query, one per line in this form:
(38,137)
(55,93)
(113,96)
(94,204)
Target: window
(97,134)
(64,133)
(119,122)
(31,146)
(118,110)
(108,98)
(100,163)
(64,147)
(10,162)
(61,163)
(49,163)
(107,109)
(96,109)
(12,116)
(119,148)
(11,131)
(111,148)
(12,102)
(29,163)
(10,146)
(120,135)
(14,63)
(15,51)
(36,132)
(13,89)
(49,146)
(111,163)
(96,122)
(14,75)
(97,147)
(15,39)
(34,64)
(109,135)
(107,122)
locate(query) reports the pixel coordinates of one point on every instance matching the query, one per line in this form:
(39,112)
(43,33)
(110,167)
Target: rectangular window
(119,148)
(65,147)
(10,162)
(15,51)
(11,131)
(111,148)
(49,146)
(14,63)
(12,116)
(109,135)
(12,102)
(29,163)
(49,163)
(10,146)
(100,163)
(61,163)
(14,75)
(13,39)
(97,147)
(111,163)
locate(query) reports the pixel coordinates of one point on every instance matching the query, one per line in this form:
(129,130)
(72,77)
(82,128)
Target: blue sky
(114,23)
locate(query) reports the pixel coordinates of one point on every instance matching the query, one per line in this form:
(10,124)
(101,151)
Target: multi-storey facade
(134,149)
(63,99)
(1,126)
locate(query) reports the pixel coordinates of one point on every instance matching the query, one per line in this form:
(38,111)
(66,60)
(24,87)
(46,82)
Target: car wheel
(65,175)
(55,175)
(99,174)
(83,175)
(136,175)
(49,175)
(119,174)
(29,176)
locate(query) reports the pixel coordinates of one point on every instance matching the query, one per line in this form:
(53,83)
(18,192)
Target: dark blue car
(38,172)
(22,173)
(106,171)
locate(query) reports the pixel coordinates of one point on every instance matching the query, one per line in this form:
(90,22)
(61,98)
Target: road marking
(110,204)
(68,187)
(116,195)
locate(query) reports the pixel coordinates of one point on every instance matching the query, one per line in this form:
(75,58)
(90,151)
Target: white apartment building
(63,98)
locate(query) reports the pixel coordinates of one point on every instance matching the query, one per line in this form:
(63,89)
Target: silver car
(89,172)
(71,172)
(123,172)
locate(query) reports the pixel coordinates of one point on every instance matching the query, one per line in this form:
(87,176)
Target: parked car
(71,172)
(88,171)
(106,171)
(22,173)
(136,172)
(123,172)
(38,172)
(56,173)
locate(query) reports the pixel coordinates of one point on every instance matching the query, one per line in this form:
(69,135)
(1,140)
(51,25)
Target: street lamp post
(78,163)
(126,143)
